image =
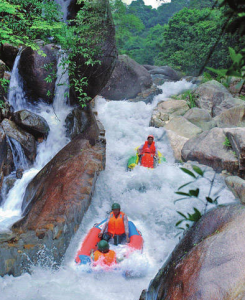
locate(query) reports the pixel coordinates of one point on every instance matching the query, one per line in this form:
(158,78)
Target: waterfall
(20,161)
(64,4)
(16,95)
(146,196)
(10,211)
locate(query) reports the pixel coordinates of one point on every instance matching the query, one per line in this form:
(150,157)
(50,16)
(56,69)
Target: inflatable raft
(149,161)
(91,240)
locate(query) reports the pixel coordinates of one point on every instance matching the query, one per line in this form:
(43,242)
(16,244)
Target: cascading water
(10,211)
(146,196)
(64,4)
(19,158)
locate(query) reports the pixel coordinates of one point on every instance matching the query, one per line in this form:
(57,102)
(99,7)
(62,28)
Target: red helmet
(150,136)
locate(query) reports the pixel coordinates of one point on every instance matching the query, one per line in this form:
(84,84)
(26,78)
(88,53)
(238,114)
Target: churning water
(146,196)
(55,115)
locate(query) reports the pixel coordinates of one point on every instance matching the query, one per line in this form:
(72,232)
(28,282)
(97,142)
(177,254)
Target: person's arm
(156,153)
(103,228)
(125,220)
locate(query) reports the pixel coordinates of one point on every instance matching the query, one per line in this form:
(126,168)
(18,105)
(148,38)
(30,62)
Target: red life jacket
(108,258)
(152,148)
(116,225)
(147,160)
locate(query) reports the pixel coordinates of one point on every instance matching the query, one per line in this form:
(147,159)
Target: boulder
(233,117)
(214,97)
(236,137)
(3,154)
(26,140)
(8,54)
(177,142)
(208,148)
(166,110)
(237,186)
(2,69)
(168,72)
(235,85)
(103,39)
(33,72)
(148,95)
(127,80)
(33,123)
(200,118)
(208,261)
(183,127)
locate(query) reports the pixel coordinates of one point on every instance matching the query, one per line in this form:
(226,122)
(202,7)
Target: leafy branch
(191,217)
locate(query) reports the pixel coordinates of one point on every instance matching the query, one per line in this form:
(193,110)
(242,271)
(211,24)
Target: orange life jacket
(116,225)
(108,258)
(152,148)
(147,160)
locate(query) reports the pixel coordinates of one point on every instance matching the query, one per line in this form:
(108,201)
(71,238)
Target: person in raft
(116,226)
(104,255)
(148,147)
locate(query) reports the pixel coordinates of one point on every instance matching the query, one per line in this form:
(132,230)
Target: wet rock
(177,142)
(33,71)
(127,80)
(19,173)
(148,95)
(8,183)
(99,73)
(33,123)
(26,140)
(235,85)
(76,122)
(168,72)
(2,68)
(3,154)
(166,110)
(183,127)
(208,148)
(236,137)
(207,263)
(214,97)
(200,118)
(233,117)
(237,186)
(8,54)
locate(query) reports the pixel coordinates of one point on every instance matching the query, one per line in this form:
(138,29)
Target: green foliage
(4,83)
(227,143)
(191,217)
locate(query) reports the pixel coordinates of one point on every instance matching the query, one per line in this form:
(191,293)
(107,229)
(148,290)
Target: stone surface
(3,154)
(183,127)
(233,117)
(237,186)
(31,68)
(26,140)
(208,149)
(214,97)
(166,71)
(99,73)
(8,54)
(166,110)
(148,95)
(200,118)
(236,137)
(2,68)
(208,262)
(177,142)
(32,123)
(127,80)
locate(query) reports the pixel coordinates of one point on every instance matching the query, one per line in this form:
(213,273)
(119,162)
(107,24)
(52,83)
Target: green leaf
(185,185)
(188,172)
(183,194)
(194,193)
(210,200)
(182,215)
(198,170)
(179,222)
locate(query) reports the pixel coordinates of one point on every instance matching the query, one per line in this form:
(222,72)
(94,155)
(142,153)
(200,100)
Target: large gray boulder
(233,117)
(214,97)
(237,186)
(32,123)
(201,118)
(183,127)
(166,110)
(8,54)
(177,142)
(208,262)
(26,140)
(167,72)
(127,80)
(33,72)
(208,148)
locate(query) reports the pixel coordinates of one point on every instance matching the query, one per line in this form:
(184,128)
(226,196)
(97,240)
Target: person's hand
(128,239)
(100,235)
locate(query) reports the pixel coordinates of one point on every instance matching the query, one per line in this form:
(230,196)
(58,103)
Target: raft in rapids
(91,240)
